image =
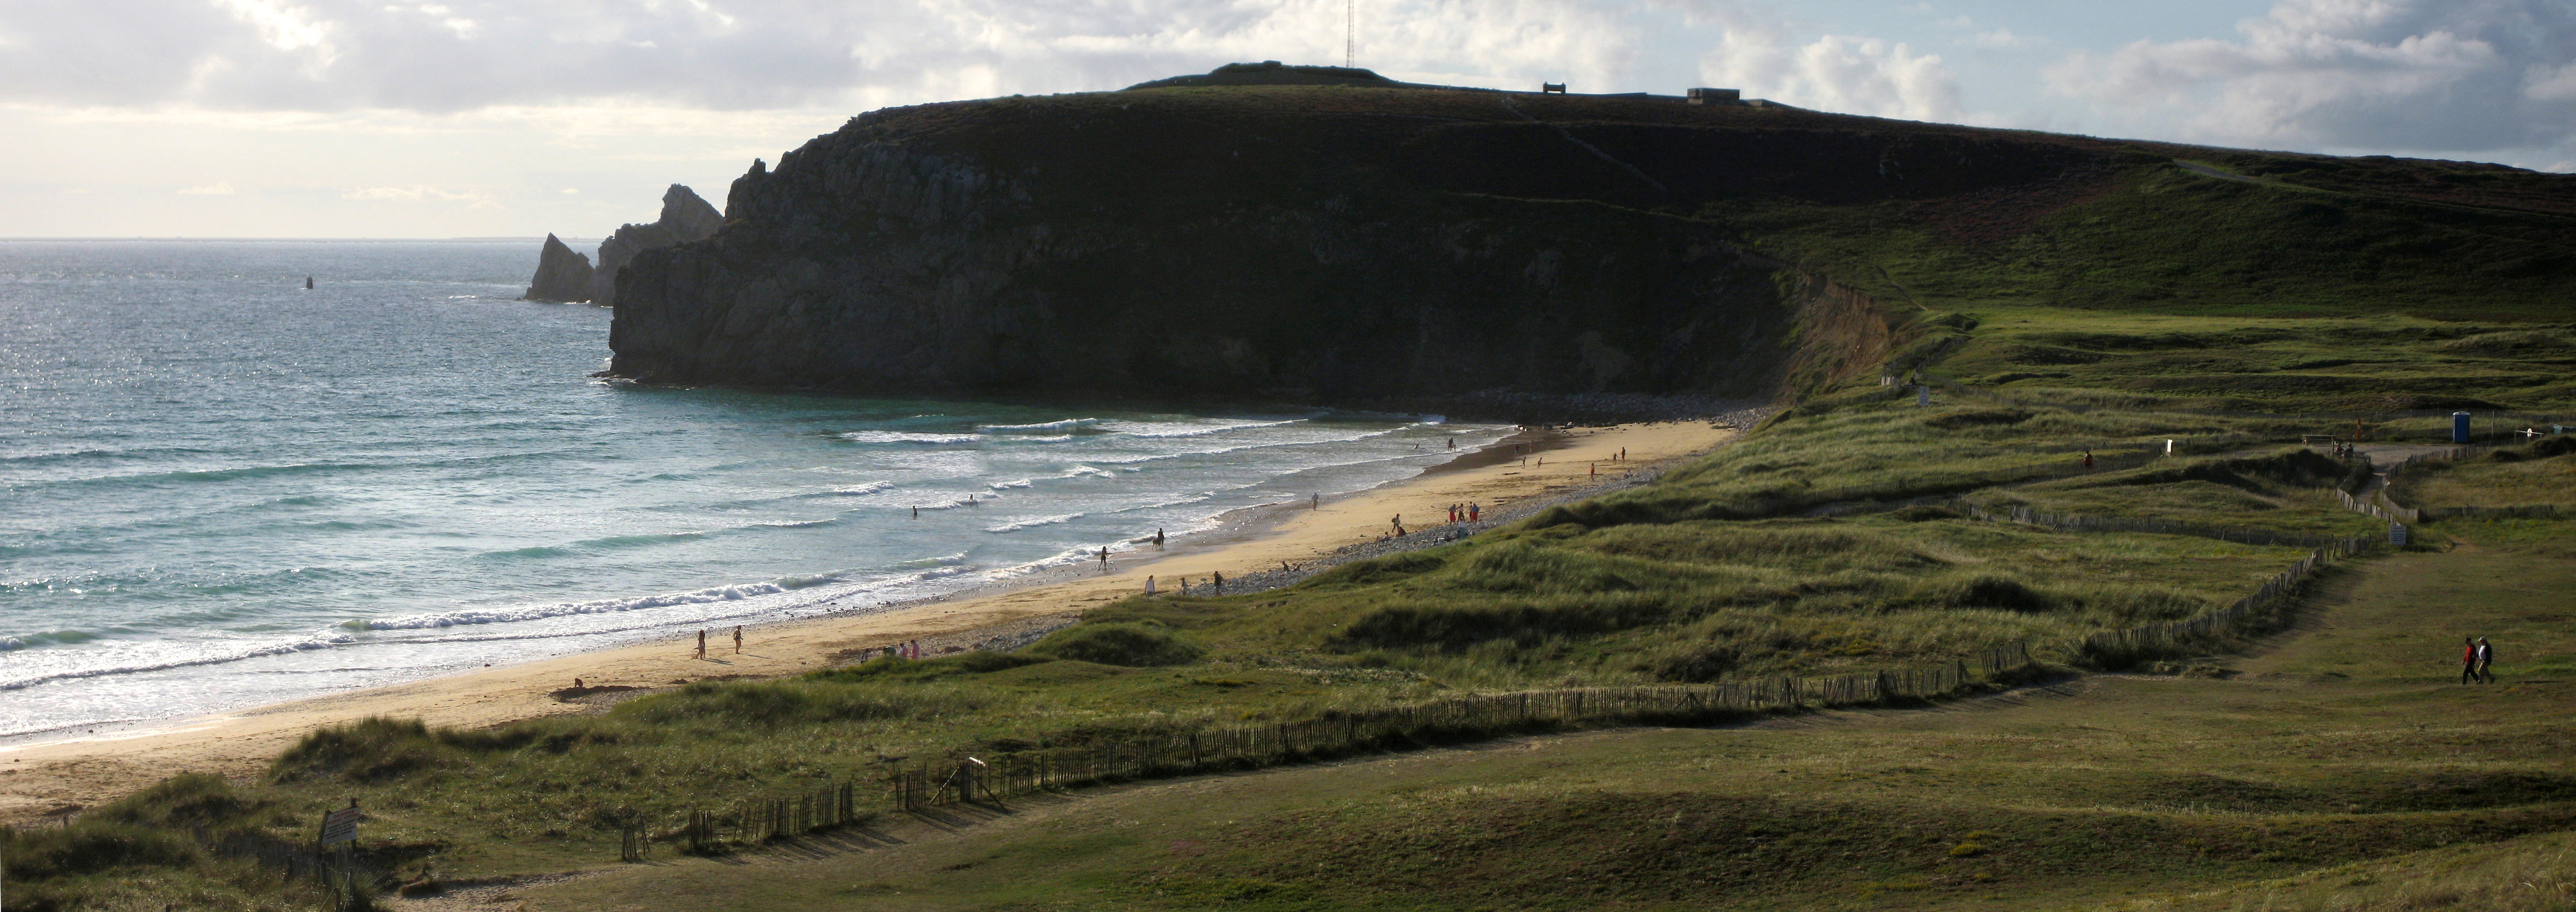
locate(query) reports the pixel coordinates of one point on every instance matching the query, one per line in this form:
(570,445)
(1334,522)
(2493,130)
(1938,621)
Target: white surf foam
(1035,522)
(1073,425)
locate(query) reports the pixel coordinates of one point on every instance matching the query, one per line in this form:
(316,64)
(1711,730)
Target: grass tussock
(2529,874)
(1130,644)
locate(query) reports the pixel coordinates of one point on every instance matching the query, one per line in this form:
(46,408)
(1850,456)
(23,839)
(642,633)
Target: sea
(219,489)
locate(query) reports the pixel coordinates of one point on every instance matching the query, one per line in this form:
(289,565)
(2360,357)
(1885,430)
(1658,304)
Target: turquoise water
(218,489)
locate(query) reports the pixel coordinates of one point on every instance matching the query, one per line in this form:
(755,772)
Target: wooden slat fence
(2115,646)
(1225,747)
(2379,506)
(341,881)
(2243,536)
(928,785)
(2536,511)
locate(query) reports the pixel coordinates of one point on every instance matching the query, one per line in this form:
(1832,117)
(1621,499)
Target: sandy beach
(51,777)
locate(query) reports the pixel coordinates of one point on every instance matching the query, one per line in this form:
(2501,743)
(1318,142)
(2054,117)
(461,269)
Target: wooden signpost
(340,828)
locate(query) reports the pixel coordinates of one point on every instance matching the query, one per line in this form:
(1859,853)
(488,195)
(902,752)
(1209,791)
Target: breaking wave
(1069,425)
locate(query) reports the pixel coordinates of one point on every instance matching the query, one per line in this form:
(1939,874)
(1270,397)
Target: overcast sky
(392,118)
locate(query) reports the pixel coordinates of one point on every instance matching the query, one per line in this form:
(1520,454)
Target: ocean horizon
(222,490)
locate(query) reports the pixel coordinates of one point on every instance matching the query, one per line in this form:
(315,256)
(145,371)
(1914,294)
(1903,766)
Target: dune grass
(2336,771)
(2289,490)
(2542,473)
(2278,364)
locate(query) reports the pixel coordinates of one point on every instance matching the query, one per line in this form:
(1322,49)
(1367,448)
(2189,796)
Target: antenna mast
(1350,32)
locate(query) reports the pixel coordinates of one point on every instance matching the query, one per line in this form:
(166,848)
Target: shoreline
(43,778)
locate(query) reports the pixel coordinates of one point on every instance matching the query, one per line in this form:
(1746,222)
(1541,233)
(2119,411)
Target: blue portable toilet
(2459,427)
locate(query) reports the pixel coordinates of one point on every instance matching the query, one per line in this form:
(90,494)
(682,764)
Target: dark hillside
(1357,241)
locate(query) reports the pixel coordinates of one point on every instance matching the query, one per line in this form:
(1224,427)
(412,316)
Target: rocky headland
(1324,236)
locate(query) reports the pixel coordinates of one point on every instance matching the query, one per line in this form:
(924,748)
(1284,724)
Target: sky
(488,118)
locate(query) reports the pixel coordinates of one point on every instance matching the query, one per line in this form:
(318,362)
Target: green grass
(2149,237)
(2290,492)
(2543,474)
(2360,364)
(2339,766)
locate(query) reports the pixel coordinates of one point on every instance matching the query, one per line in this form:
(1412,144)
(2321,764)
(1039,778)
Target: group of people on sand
(737,642)
(1216,583)
(2475,657)
(1466,512)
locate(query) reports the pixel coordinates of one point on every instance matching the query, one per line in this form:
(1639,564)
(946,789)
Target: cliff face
(1334,245)
(684,218)
(950,286)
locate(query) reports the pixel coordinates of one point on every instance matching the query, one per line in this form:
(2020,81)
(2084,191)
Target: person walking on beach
(1158,539)
(737,639)
(1472,510)
(702,644)
(1217,580)
(1319,501)
(2468,660)
(2486,659)
(1149,585)
(1104,558)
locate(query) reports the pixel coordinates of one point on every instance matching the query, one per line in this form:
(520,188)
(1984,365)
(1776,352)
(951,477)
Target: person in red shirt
(2469,660)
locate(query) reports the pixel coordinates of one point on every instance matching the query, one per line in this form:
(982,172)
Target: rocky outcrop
(684,218)
(562,275)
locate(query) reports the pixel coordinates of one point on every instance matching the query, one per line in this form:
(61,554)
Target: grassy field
(2340,767)
(2526,476)
(2362,364)
(2150,238)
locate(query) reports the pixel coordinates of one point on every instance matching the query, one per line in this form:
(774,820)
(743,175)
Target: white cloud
(222,188)
(460,55)
(2005,38)
(2404,74)
(1834,72)
(2551,83)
